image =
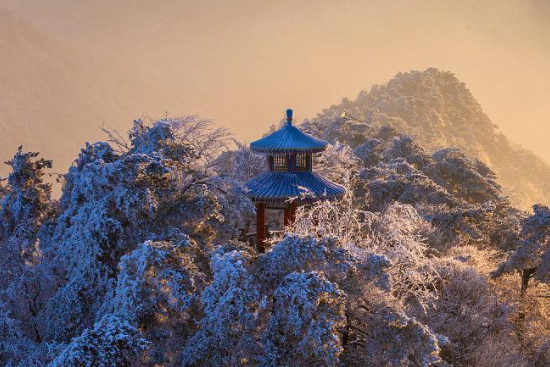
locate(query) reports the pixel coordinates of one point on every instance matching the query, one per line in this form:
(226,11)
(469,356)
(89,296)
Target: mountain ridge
(439,111)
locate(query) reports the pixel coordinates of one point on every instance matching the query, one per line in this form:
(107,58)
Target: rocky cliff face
(439,111)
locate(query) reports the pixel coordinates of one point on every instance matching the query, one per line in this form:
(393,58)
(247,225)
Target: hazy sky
(243,63)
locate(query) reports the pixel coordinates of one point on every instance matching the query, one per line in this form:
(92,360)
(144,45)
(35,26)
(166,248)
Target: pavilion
(290,180)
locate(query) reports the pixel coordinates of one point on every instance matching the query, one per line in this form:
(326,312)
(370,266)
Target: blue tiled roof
(288,139)
(279,186)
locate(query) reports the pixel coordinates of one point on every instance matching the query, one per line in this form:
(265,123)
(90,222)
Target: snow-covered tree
(303,328)
(532,256)
(327,256)
(17,350)
(341,219)
(158,290)
(235,208)
(469,180)
(337,163)
(155,281)
(207,139)
(404,146)
(466,312)
(230,304)
(398,180)
(241,164)
(110,204)
(11,334)
(458,195)
(25,204)
(370,152)
(385,336)
(397,234)
(475,223)
(111,342)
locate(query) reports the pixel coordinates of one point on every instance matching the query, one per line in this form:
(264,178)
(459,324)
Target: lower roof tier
(280,186)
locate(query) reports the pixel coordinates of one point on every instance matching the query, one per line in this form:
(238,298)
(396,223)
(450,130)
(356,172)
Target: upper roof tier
(288,139)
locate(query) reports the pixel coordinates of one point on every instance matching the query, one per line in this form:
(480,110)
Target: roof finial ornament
(289,116)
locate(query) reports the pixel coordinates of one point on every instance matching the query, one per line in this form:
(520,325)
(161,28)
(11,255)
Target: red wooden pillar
(287,216)
(260,227)
(293,207)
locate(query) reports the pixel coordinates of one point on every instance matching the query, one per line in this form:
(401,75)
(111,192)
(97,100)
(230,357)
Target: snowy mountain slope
(439,111)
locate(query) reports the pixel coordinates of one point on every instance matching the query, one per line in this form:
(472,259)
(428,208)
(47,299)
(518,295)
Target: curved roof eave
(288,139)
(281,186)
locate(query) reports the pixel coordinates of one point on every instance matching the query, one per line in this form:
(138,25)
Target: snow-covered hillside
(439,111)
(144,260)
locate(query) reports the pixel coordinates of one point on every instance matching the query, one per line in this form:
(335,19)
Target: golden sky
(242,63)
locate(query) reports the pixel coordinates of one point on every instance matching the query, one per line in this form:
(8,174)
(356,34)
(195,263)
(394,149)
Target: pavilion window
(303,162)
(280,163)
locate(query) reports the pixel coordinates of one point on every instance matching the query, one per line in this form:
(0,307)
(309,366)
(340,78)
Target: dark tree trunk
(526,274)
(260,227)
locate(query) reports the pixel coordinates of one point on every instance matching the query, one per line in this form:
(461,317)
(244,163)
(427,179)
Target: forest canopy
(145,260)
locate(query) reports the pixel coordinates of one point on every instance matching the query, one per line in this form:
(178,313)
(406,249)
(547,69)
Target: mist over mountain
(439,111)
(241,63)
(48,92)
(56,91)
(54,98)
